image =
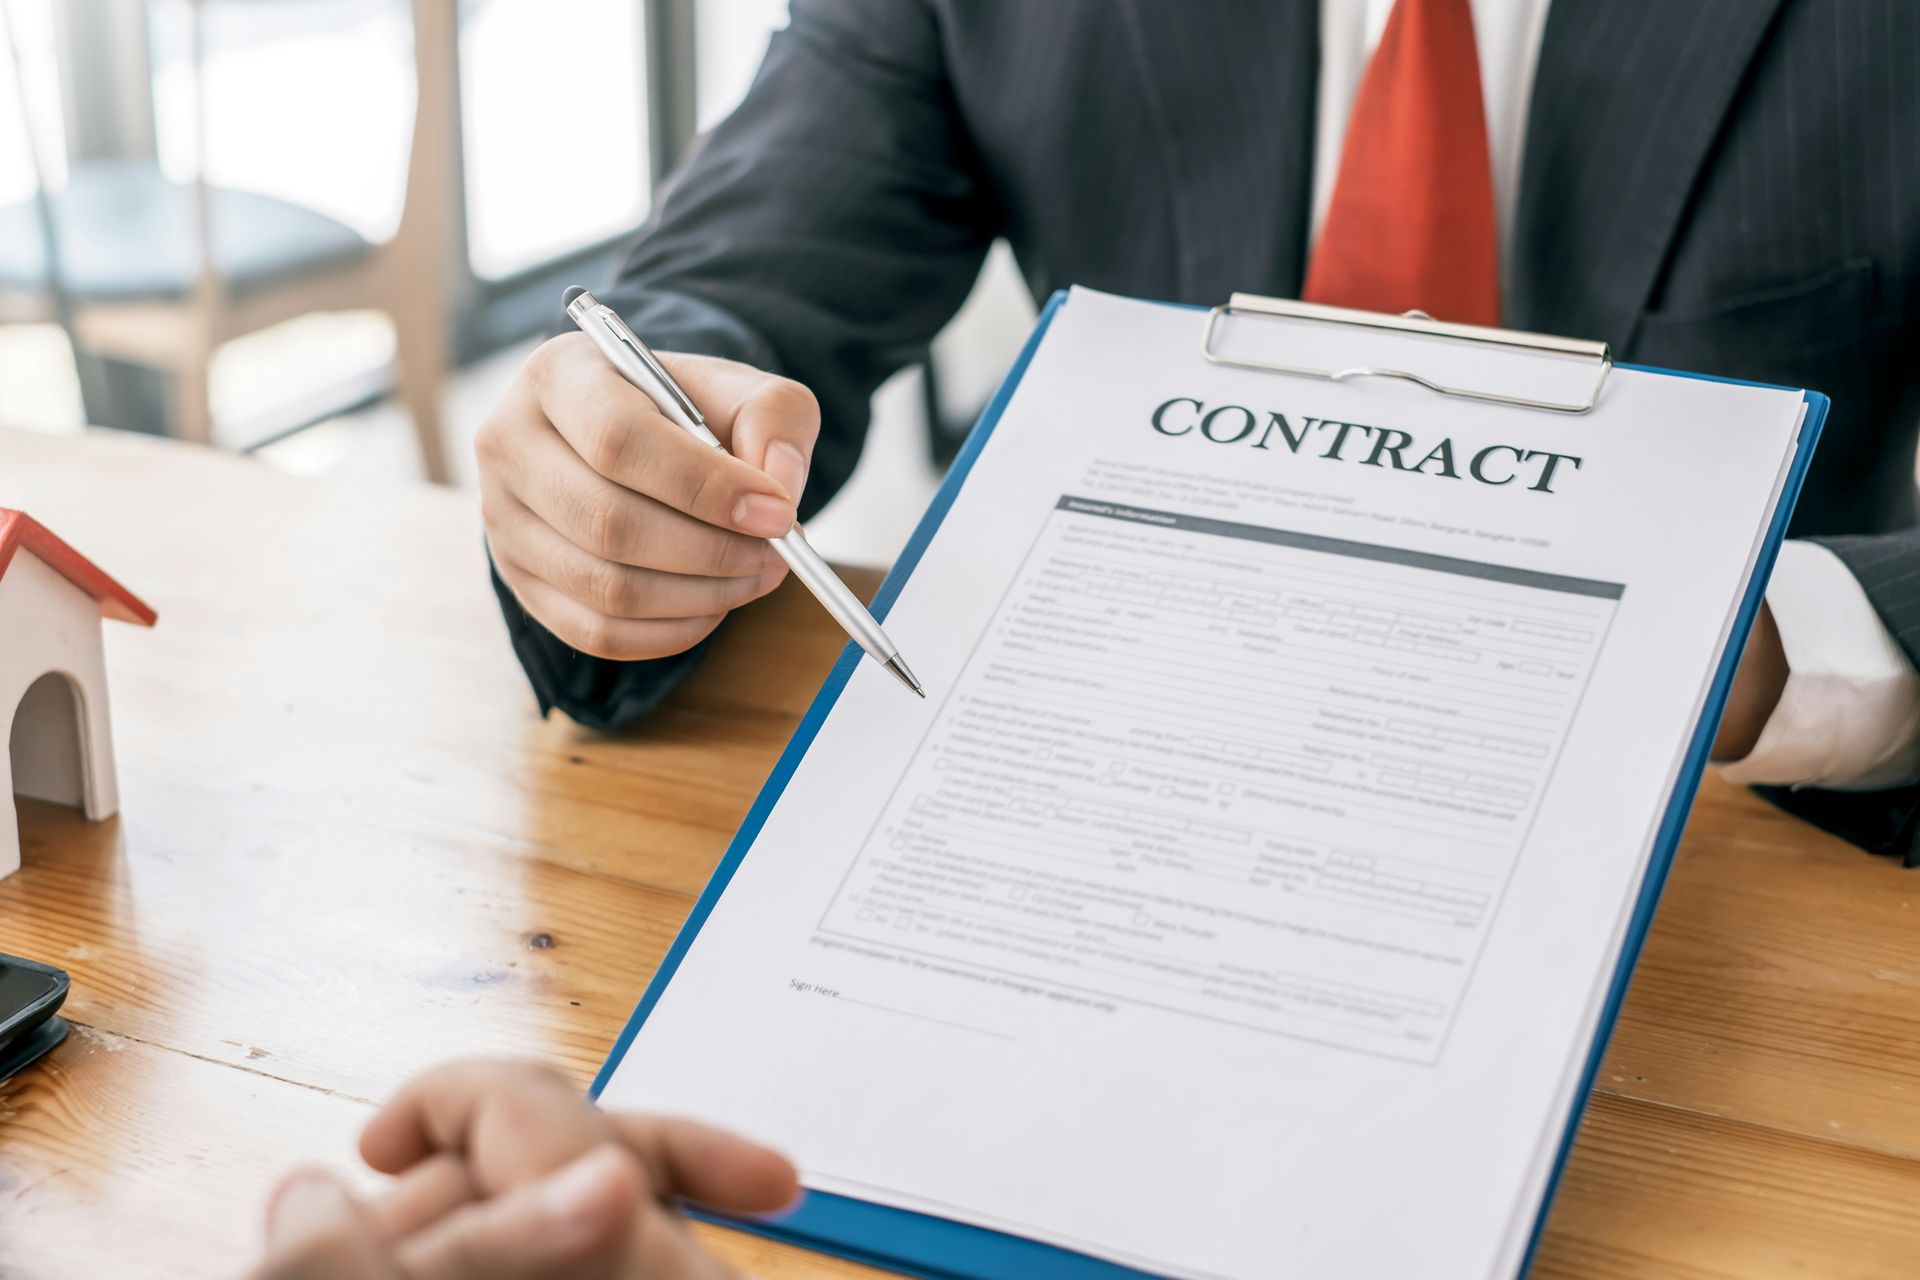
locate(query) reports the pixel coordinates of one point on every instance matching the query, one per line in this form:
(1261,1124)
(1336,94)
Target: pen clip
(626,337)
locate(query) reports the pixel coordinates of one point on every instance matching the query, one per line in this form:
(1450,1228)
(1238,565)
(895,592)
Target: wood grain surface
(349,848)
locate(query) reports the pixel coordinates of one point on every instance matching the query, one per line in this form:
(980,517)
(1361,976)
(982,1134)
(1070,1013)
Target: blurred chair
(151,272)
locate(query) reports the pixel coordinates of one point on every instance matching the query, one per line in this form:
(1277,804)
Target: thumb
(574,1222)
(317,1231)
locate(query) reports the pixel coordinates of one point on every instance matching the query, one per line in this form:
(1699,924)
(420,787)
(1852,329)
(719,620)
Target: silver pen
(639,366)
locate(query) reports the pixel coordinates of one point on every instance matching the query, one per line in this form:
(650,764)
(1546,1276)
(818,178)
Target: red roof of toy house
(18,529)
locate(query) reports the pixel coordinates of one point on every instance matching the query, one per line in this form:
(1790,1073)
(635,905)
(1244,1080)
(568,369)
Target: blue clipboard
(936,1248)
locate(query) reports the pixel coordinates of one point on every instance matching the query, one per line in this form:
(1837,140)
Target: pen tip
(573,291)
(905,676)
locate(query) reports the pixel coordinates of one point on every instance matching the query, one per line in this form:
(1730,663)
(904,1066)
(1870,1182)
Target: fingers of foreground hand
(434,1187)
(664,1248)
(616,430)
(512,1121)
(578,1221)
(317,1231)
(709,1166)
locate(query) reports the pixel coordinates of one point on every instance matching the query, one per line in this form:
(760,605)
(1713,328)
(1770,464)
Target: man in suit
(1728,186)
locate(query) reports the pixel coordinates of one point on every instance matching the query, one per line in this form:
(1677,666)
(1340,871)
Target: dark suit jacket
(1725,186)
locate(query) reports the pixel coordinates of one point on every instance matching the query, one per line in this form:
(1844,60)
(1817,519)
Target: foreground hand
(622,534)
(504,1171)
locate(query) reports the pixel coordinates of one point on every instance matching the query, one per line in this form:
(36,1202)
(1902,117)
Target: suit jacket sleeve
(1886,821)
(825,231)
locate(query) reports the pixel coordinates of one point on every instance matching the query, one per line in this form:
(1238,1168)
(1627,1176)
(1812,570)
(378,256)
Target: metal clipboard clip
(1416,323)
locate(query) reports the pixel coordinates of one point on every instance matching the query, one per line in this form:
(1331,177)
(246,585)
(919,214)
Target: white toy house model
(53,676)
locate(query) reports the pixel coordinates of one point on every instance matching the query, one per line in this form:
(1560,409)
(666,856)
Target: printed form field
(1234,772)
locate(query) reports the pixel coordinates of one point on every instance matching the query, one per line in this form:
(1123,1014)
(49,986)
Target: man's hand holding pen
(620,533)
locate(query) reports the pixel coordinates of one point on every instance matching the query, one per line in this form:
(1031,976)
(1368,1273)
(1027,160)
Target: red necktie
(1411,225)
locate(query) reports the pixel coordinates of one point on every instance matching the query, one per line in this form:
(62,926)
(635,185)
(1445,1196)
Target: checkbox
(1044,753)
(1227,788)
(1017,893)
(1141,917)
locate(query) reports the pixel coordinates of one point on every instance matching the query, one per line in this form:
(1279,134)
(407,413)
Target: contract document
(1251,894)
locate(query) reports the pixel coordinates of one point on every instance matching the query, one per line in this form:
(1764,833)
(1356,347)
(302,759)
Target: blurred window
(730,37)
(312,101)
(31,23)
(555,102)
(307,100)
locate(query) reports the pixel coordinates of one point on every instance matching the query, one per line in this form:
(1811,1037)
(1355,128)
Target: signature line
(905,1013)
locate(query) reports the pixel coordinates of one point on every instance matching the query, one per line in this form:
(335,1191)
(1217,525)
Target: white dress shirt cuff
(1849,717)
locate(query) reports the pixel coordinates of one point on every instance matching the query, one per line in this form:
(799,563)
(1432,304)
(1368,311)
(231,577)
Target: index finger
(709,1166)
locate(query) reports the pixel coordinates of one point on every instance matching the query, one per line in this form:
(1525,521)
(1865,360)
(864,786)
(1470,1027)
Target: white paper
(1239,902)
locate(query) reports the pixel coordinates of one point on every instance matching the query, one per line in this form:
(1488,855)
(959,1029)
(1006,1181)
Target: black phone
(31,994)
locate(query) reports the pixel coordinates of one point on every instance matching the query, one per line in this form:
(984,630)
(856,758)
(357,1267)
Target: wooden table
(349,849)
